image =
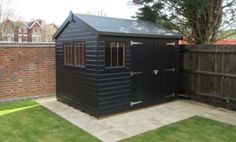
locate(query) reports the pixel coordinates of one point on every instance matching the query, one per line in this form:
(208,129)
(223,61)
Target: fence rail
(208,74)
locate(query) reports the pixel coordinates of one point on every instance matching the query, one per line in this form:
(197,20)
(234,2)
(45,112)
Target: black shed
(108,65)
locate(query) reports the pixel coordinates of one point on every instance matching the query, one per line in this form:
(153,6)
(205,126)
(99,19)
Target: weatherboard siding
(113,83)
(97,89)
(77,85)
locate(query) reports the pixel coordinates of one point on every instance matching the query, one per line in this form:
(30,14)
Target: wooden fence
(208,74)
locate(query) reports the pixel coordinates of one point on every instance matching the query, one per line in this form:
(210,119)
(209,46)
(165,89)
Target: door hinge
(135,43)
(171,43)
(135,103)
(171,69)
(171,95)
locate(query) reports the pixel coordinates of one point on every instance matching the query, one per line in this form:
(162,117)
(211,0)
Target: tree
(7,15)
(48,32)
(198,20)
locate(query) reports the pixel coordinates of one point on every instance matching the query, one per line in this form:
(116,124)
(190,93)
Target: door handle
(171,69)
(155,72)
(135,73)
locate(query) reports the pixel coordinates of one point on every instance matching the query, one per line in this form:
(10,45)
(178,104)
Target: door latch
(135,103)
(171,69)
(155,72)
(135,73)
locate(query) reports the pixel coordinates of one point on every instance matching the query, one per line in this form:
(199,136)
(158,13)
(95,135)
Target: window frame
(108,43)
(75,54)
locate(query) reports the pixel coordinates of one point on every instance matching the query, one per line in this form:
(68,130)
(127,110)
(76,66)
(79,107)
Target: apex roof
(123,27)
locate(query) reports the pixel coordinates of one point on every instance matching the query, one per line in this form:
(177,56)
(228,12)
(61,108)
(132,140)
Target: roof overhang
(64,24)
(140,35)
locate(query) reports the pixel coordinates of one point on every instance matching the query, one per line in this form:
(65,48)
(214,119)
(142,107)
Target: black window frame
(76,49)
(108,44)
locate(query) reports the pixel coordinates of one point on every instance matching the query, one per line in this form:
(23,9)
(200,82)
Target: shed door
(166,61)
(153,72)
(142,58)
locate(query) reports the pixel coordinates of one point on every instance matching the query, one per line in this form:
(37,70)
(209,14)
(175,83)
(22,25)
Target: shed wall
(75,85)
(113,83)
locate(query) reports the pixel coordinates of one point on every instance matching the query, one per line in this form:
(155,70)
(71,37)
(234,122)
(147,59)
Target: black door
(166,59)
(153,71)
(141,73)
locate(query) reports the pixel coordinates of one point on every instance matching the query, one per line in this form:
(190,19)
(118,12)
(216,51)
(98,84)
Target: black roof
(122,27)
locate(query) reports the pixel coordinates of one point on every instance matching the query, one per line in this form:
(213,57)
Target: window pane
(121,54)
(64,54)
(80,53)
(108,55)
(70,54)
(75,54)
(113,54)
(83,54)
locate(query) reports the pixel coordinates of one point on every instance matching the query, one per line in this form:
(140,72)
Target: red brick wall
(26,70)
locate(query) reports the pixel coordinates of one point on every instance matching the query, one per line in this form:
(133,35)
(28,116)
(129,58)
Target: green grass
(27,121)
(195,129)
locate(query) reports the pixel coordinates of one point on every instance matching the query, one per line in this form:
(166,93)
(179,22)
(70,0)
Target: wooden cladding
(74,53)
(115,54)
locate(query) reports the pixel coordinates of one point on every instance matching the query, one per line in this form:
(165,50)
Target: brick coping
(27,44)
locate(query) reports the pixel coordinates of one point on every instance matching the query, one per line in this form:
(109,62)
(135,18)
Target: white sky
(56,11)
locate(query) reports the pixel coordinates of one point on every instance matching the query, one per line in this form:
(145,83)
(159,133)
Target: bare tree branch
(229,4)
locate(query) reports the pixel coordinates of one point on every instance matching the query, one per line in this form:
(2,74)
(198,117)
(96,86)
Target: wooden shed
(107,65)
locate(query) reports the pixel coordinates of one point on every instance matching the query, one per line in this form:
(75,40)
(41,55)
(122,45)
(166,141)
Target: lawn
(195,129)
(27,121)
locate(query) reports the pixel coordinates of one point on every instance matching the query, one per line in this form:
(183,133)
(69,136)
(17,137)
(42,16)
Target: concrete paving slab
(121,126)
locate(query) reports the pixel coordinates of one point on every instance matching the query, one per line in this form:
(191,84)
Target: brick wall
(26,70)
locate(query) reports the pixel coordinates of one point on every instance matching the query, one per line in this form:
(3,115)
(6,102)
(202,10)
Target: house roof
(122,27)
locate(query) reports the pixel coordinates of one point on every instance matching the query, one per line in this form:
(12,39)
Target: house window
(34,39)
(24,30)
(74,53)
(19,30)
(24,39)
(115,54)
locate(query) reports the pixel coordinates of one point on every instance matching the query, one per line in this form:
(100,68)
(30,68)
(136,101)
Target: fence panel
(208,74)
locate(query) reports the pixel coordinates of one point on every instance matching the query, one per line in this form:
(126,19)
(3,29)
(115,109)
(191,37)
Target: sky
(56,11)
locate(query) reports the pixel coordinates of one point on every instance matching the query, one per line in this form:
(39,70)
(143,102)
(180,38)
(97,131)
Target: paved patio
(132,123)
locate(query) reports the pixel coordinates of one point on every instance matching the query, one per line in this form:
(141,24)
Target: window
(74,54)
(33,39)
(8,30)
(24,30)
(115,54)
(38,39)
(19,40)
(24,39)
